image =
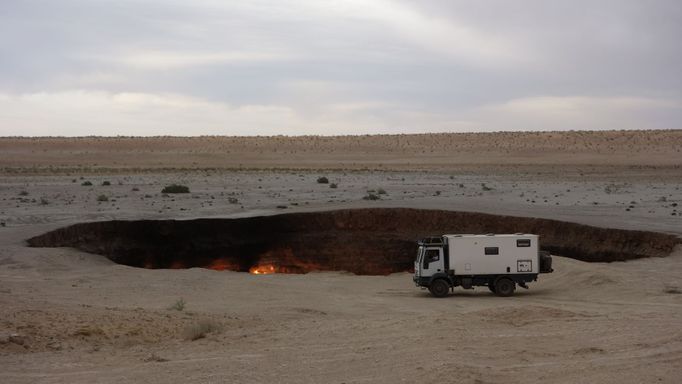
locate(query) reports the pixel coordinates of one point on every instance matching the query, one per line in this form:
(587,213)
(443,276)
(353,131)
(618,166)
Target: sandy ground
(646,200)
(72,317)
(579,149)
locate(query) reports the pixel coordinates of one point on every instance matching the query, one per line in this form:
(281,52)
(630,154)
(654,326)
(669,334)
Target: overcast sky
(269,67)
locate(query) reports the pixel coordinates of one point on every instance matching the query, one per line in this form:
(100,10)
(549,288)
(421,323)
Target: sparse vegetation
(86,183)
(671,289)
(371,196)
(200,329)
(89,331)
(23,193)
(135,189)
(106,183)
(179,305)
(322,180)
(44,201)
(381,191)
(485,187)
(232,200)
(333,185)
(175,188)
(153,357)
(102,198)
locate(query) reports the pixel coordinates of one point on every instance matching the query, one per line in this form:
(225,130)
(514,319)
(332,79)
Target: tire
(439,288)
(504,287)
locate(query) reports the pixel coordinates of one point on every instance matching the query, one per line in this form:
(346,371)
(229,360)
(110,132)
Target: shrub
(153,357)
(135,189)
(102,198)
(86,183)
(333,185)
(323,180)
(43,201)
(179,305)
(371,196)
(105,183)
(672,290)
(200,329)
(381,191)
(485,187)
(233,200)
(175,188)
(23,193)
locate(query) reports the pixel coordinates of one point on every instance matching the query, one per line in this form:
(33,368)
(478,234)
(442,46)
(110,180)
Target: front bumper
(421,281)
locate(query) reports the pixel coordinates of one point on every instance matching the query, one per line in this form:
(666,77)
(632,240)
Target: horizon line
(339,136)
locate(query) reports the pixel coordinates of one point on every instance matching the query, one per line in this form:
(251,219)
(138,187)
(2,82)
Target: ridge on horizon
(351,135)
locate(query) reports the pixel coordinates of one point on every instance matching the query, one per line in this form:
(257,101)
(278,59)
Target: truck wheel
(504,287)
(439,288)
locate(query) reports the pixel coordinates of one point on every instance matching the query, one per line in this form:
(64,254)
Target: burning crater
(363,241)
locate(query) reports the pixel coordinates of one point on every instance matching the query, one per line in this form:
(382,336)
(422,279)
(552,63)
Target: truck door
(432,262)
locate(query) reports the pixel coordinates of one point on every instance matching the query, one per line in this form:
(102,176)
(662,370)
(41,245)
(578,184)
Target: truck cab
(430,259)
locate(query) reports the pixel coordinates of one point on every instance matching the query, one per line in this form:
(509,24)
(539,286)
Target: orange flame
(282,261)
(263,269)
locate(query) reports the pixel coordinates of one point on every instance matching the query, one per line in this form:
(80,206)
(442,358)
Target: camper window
(492,250)
(523,243)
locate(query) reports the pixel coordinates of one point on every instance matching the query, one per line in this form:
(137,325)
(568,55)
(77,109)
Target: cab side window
(431,256)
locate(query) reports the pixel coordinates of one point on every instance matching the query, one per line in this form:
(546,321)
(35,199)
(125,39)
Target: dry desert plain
(68,316)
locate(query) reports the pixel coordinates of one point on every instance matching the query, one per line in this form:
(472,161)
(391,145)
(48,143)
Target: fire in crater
(263,269)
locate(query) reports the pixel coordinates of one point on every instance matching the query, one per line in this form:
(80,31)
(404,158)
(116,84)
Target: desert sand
(67,316)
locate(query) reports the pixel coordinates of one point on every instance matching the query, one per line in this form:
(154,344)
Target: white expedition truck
(499,262)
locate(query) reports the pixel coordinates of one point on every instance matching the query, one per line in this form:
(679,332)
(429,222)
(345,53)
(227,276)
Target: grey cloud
(414,66)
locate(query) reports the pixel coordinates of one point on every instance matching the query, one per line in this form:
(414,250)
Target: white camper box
(493,254)
(500,262)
